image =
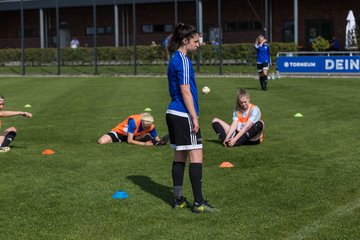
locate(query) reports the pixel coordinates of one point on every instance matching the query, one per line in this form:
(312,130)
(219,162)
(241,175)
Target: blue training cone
(120,195)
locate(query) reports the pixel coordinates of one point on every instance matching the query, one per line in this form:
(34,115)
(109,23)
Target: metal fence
(95,58)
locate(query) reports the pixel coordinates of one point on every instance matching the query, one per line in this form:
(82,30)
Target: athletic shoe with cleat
(183,203)
(204,207)
(163,141)
(4,149)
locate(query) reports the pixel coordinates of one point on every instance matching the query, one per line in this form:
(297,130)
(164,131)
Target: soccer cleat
(204,207)
(147,137)
(4,149)
(163,141)
(183,203)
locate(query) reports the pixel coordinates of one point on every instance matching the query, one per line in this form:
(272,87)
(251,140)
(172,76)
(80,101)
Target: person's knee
(259,125)
(215,120)
(196,156)
(11,129)
(102,140)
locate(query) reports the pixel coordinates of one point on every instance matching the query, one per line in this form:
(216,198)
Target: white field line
(328,219)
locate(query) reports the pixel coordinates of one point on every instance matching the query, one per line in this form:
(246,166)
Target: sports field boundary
(199,75)
(306,231)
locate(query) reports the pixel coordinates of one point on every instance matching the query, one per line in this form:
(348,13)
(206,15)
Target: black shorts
(115,137)
(181,137)
(262,66)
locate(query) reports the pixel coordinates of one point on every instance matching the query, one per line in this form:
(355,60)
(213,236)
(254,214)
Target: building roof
(9,5)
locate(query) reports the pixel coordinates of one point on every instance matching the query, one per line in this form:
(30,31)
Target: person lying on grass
(138,129)
(246,127)
(8,135)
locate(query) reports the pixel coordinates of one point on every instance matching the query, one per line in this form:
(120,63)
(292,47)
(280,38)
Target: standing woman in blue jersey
(182,118)
(263,60)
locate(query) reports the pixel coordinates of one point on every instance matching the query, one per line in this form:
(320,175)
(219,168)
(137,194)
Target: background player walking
(263,60)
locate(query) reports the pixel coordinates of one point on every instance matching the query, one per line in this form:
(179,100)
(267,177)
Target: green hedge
(243,53)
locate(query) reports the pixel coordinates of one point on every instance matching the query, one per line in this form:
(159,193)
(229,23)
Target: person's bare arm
(231,131)
(131,140)
(189,103)
(242,131)
(15,113)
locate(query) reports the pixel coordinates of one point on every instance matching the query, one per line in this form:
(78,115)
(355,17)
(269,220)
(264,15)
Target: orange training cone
(226,165)
(48,152)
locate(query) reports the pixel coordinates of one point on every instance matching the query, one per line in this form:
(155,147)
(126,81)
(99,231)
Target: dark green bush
(276,47)
(242,53)
(78,56)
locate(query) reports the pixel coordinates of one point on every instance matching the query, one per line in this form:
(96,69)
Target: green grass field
(303,182)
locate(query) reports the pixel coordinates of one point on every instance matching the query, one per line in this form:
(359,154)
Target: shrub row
(242,53)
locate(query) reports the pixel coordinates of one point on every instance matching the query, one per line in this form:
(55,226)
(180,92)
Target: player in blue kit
(182,118)
(263,60)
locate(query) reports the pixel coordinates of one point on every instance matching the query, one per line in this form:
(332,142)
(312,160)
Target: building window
(242,26)
(288,31)
(168,27)
(102,30)
(318,27)
(147,28)
(29,33)
(230,26)
(157,28)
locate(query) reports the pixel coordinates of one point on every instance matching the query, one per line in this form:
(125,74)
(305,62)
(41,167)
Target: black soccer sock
(261,79)
(8,139)
(253,131)
(195,173)
(241,140)
(178,169)
(219,130)
(147,138)
(265,82)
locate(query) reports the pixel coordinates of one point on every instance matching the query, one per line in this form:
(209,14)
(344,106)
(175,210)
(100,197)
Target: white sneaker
(4,149)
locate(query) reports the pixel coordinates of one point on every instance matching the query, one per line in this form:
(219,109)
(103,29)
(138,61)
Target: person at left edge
(138,129)
(8,135)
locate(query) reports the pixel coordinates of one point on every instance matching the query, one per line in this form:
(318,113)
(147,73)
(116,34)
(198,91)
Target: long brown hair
(180,32)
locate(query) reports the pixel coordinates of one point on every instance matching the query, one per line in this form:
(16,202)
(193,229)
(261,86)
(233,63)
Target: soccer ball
(205,90)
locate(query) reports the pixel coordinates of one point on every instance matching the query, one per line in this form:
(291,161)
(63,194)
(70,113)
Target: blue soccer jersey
(181,72)
(263,53)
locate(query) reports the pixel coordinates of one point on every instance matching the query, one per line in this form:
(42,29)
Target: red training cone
(47,152)
(226,165)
